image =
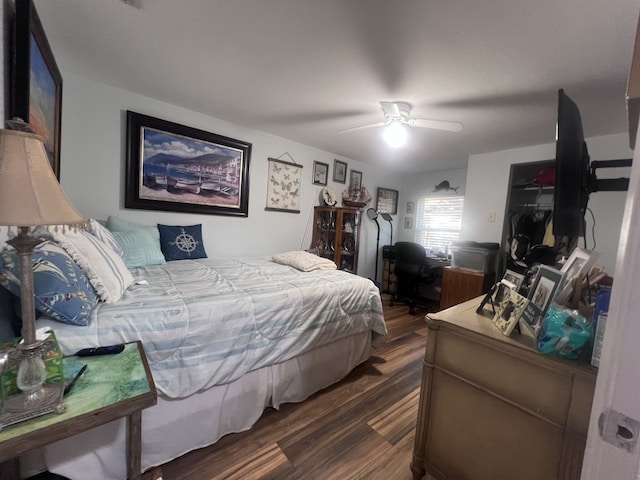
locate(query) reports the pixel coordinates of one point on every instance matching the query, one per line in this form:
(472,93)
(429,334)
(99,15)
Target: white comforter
(208,322)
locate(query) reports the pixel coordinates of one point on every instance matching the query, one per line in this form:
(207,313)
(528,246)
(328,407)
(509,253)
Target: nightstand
(114,386)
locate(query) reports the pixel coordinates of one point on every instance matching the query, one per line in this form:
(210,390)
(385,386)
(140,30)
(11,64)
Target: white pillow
(105,269)
(304,261)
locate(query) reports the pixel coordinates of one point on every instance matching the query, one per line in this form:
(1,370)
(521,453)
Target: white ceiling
(305,69)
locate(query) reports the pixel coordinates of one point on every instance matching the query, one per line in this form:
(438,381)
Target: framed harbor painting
(36,83)
(177,168)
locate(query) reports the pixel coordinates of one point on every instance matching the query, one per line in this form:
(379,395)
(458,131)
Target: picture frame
(542,293)
(35,81)
(355,180)
(408,222)
(411,207)
(387,201)
(517,279)
(509,309)
(320,173)
(284,185)
(579,263)
(339,171)
(202,173)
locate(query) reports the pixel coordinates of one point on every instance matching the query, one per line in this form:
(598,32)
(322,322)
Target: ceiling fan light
(395,135)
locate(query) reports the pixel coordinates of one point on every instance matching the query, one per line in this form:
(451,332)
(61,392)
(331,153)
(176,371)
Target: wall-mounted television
(575,174)
(571,193)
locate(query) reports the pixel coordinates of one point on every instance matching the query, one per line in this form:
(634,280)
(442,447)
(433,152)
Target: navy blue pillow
(181,242)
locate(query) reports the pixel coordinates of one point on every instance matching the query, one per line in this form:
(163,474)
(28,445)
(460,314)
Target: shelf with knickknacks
(356,197)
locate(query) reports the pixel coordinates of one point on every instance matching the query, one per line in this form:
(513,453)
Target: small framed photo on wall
(339,171)
(320,173)
(387,201)
(408,222)
(355,180)
(411,207)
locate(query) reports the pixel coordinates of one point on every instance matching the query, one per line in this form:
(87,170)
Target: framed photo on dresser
(542,293)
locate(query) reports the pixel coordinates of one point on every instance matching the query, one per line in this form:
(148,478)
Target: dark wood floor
(361,428)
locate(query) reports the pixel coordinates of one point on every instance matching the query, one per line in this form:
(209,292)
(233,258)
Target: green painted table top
(107,381)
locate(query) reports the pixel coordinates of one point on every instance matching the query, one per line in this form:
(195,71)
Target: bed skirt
(174,427)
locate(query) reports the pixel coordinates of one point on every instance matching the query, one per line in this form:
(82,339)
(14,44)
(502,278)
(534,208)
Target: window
(439,221)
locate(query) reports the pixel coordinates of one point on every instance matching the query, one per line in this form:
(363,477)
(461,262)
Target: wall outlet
(492,217)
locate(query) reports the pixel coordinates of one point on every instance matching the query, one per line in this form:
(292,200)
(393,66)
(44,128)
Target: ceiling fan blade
(435,124)
(390,109)
(362,127)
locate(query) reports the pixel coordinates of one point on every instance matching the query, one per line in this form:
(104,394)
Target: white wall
(486,192)
(93,174)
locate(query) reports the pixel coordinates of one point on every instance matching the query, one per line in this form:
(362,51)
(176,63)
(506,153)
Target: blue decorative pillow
(181,242)
(61,289)
(140,243)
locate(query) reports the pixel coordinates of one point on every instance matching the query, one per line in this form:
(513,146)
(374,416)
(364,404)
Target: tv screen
(571,193)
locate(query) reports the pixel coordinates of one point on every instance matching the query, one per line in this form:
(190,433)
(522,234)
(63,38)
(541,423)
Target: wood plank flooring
(361,428)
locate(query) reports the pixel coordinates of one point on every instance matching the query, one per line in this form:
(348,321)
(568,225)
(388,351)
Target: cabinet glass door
(325,233)
(349,241)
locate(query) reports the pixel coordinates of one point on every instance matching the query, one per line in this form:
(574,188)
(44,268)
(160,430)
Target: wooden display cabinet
(336,235)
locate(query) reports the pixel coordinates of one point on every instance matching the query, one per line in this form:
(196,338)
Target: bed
(225,339)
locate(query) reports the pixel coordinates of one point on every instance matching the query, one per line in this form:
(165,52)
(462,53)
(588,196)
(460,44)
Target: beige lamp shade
(30,193)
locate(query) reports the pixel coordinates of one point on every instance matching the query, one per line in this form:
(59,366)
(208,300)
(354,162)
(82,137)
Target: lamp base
(24,406)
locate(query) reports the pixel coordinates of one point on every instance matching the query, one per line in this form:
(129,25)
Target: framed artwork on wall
(387,201)
(320,173)
(355,181)
(177,168)
(35,81)
(411,206)
(408,222)
(283,191)
(339,171)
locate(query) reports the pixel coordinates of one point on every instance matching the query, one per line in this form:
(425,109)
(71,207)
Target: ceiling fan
(398,112)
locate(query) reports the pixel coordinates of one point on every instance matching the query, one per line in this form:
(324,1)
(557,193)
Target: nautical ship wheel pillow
(181,242)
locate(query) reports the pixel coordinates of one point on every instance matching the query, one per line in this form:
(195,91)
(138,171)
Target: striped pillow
(96,229)
(105,269)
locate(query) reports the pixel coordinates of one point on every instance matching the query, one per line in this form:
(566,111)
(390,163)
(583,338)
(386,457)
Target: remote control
(110,350)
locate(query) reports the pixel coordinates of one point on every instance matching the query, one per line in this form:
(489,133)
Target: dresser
(492,407)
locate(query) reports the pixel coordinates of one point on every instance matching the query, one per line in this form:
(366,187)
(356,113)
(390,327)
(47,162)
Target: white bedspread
(208,322)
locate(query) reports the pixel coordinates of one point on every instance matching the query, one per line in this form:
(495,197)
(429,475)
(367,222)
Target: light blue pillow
(140,248)
(140,243)
(61,289)
(181,242)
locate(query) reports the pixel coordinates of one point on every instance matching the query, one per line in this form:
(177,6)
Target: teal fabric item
(140,243)
(61,289)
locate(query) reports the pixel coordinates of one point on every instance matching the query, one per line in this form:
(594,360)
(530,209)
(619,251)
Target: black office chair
(412,271)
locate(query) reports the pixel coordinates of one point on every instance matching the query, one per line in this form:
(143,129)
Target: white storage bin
(475,256)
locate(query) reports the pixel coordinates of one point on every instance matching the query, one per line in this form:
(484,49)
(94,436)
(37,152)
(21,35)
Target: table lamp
(30,196)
